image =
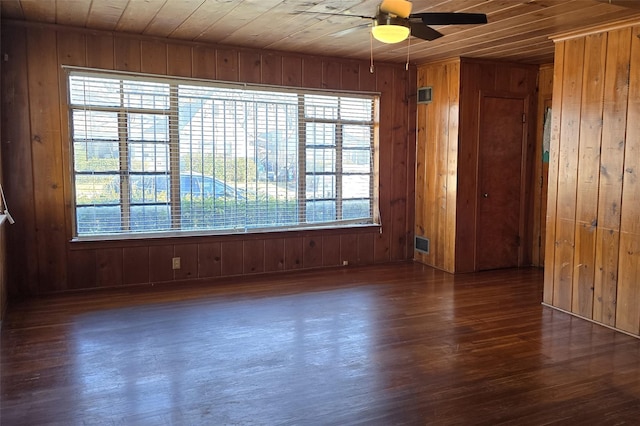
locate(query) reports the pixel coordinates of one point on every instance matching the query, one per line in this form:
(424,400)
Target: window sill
(162,238)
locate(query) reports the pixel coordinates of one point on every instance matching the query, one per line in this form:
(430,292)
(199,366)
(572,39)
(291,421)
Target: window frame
(173,147)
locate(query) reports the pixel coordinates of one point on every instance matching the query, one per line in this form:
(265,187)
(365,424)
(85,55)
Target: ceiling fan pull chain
(406,67)
(371,46)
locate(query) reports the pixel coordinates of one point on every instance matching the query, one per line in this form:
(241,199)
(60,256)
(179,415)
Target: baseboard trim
(591,320)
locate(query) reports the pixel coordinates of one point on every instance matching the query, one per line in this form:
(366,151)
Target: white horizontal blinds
(121,148)
(243,143)
(166,155)
(339,158)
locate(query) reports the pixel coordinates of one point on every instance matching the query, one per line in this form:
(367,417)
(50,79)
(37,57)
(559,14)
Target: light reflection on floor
(326,337)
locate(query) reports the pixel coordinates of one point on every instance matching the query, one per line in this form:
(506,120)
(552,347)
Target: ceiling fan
(394,21)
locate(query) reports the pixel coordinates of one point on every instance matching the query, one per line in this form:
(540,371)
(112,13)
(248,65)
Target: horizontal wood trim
(583,32)
(178,240)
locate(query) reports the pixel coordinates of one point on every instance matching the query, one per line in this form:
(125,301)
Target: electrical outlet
(176,263)
(345,262)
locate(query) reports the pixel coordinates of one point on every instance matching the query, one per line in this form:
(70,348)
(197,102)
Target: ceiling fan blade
(349,30)
(399,8)
(444,18)
(348,15)
(422,31)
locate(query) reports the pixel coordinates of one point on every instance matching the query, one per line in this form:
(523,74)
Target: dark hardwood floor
(384,345)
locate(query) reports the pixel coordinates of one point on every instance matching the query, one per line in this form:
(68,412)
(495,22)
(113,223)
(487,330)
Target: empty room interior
(283,212)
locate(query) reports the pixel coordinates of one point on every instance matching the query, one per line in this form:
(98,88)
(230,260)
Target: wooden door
(500,192)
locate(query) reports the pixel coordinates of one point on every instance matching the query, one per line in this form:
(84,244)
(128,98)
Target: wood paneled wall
(592,264)
(3,238)
(541,167)
(447,155)
(35,147)
(437,163)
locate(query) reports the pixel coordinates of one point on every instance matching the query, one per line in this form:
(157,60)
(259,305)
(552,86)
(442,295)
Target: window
(161,155)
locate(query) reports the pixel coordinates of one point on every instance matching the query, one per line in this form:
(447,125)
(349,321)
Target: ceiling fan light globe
(390,33)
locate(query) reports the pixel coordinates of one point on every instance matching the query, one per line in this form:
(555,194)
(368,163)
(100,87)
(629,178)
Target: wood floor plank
(377,345)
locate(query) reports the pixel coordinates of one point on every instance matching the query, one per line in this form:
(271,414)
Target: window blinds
(154,154)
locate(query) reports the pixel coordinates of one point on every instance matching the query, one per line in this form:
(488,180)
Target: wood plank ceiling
(518,30)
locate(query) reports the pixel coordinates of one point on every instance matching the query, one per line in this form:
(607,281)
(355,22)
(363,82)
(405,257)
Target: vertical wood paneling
(331,255)
(71,51)
(22,248)
(384,85)
(614,123)
(250,65)
(365,249)
(332,75)
(160,263)
(554,164)
(135,265)
(271,69)
(231,258)
(628,306)
(82,269)
(381,247)
(293,253)
(595,51)
(411,124)
(227,64)
(120,264)
(528,173)
(109,267)
(47,155)
(274,255)
(349,249)
(209,260)
(367,78)
(350,76)
(606,165)
(3,239)
(451,174)
(568,171)
(100,51)
(311,72)
(437,160)
(253,254)
(153,57)
(126,54)
(471,77)
(188,254)
(179,60)
(421,165)
(292,71)
(628,301)
(541,169)
(447,155)
(204,62)
(399,183)
(311,252)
